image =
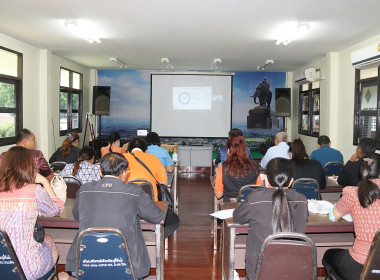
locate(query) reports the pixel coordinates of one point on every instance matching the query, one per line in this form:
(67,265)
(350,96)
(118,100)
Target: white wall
(337,100)
(55,140)
(31,85)
(41,75)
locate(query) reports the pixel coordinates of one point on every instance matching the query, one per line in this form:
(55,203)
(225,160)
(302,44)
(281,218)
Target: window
(366,120)
(309,106)
(70,101)
(10,95)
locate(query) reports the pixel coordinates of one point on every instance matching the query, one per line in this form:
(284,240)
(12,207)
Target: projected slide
(191,105)
(192,98)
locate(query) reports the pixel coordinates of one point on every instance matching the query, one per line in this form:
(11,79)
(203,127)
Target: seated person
(25,138)
(237,171)
(137,147)
(222,151)
(350,175)
(153,142)
(69,151)
(303,167)
(84,168)
(271,210)
(120,206)
(363,203)
(280,149)
(113,145)
(325,153)
(24,195)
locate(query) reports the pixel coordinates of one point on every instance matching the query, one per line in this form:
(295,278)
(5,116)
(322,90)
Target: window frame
(18,85)
(310,112)
(69,110)
(358,112)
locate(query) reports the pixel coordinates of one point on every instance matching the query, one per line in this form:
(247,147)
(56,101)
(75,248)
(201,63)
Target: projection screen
(191,105)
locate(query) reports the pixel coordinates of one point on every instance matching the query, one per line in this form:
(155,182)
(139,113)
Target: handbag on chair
(59,187)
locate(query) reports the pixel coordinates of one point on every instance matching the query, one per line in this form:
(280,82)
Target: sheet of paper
(348,218)
(319,206)
(223,214)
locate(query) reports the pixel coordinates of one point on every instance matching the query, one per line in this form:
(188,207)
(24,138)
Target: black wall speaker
(282,102)
(101,100)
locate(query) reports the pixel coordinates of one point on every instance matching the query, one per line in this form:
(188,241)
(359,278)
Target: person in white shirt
(280,149)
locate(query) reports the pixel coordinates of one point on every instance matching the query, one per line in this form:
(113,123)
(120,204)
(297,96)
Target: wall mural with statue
(253,109)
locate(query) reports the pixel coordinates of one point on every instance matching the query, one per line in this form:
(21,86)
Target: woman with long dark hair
(69,151)
(363,203)
(25,194)
(271,210)
(238,170)
(84,168)
(304,167)
(113,145)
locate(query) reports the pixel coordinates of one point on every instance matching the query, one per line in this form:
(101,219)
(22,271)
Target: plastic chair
(58,166)
(371,268)
(102,253)
(145,184)
(333,168)
(246,190)
(307,186)
(287,255)
(10,267)
(73,185)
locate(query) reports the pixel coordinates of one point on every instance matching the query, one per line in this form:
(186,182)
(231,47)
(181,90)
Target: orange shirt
(115,149)
(139,171)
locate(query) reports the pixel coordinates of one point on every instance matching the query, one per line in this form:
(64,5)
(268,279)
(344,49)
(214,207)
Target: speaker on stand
(101,97)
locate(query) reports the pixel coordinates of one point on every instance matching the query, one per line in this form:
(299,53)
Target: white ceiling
(191,33)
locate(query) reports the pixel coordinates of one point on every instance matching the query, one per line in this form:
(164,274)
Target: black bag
(163,193)
(39,233)
(171,223)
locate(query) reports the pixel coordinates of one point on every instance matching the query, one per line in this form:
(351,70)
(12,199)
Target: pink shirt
(366,221)
(19,210)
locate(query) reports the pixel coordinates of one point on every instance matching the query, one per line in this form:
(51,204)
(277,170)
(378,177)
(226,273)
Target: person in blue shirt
(325,153)
(280,149)
(222,151)
(153,141)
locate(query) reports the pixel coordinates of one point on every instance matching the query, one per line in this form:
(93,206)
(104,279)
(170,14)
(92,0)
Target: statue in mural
(263,93)
(259,117)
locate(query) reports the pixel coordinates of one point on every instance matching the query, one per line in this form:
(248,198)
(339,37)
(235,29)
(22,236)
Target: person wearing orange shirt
(137,148)
(237,171)
(113,145)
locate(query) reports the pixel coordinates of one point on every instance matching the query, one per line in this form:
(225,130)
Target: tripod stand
(90,122)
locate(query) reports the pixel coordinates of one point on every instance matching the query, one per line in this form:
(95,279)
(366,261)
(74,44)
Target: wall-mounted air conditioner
(308,75)
(367,57)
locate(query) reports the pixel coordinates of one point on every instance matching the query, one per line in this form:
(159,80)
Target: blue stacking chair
(58,166)
(307,186)
(281,248)
(145,185)
(246,190)
(371,268)
(333,168)
(102,253)
(10,267)
(73,185)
